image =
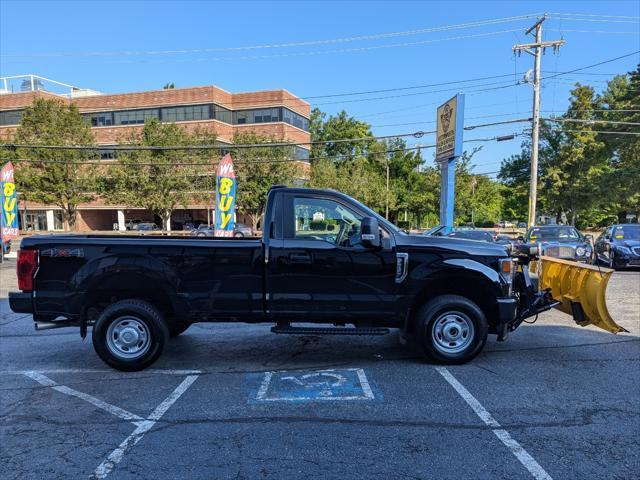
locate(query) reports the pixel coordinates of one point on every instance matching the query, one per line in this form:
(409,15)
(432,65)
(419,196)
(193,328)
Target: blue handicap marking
(315,385)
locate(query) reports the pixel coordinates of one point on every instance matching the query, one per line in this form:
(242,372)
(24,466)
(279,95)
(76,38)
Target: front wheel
(130,335)
(451,329)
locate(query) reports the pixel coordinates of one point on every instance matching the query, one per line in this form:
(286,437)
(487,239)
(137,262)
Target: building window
(12,117)
(35,220)
(107,154)
(301,153)
(133,117)
(186,113)
(265,115)
(223,114)
(103,119)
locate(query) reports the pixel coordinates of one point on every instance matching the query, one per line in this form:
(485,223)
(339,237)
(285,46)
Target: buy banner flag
(9,199)
(225,198)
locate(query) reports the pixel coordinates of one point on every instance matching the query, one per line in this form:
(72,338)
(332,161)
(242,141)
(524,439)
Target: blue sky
(108,46)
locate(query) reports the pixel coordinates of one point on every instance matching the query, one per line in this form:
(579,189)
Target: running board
(329,330)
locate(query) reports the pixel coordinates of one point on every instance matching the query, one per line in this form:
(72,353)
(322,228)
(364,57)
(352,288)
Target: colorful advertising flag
(9,199)
(225,198)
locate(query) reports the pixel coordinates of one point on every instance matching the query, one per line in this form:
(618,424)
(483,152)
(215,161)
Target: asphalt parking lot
(235,401)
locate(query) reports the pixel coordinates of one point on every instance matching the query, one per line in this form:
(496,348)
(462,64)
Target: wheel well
(120,287)
(474,287)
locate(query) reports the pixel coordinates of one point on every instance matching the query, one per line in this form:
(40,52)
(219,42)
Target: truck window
(325,220)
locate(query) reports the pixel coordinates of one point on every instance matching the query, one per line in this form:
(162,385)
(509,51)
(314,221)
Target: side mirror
(370,233)
(520,239)
(588,237)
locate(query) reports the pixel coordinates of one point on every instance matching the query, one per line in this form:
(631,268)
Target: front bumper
(21,302)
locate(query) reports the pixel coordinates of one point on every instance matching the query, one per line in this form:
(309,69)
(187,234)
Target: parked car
(146,227)
(438,230)
(6,246)
(506,240)
(136,292)
(522,225)
(561,241)
(505,224)
(189,226)
(132,224)
(239,230)
(618,246)
(480,235)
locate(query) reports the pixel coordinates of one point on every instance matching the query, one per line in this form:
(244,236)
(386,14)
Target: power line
(635,134)
(396,89)
(326,52)
(611,32)
(378,36)
(594,15)
(238,161)
(578,120)
(594,64)
(416,134)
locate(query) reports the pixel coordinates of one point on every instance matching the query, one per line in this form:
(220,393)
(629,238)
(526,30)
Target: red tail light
(27,265)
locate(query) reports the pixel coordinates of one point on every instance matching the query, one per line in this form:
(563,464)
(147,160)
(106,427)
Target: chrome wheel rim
(452,332)
(128,338)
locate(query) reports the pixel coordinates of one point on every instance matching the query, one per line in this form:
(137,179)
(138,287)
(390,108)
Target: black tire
(178,328)
(130,320)
(453,315)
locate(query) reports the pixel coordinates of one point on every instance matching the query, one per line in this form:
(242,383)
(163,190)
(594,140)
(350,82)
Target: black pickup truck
(324,258)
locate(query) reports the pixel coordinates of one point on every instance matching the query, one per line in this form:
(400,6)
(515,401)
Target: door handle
(300,258)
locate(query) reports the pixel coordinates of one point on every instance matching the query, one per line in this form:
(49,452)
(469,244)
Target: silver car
(561,241)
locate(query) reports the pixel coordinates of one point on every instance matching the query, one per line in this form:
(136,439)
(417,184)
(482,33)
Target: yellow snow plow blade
(580,289)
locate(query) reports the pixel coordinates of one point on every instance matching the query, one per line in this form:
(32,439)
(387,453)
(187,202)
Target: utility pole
(386,214)
(536,49)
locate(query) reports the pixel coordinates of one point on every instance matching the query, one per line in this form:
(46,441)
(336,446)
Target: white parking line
(521,454)
(142,427)
(112,409)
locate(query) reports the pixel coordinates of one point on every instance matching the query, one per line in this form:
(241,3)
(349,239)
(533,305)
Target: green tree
(338,127)
(621,181)
(160,180)
(169,86)
(65,178)
(257,169)
(573,173)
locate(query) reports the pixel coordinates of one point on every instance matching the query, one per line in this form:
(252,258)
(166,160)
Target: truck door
(319,271)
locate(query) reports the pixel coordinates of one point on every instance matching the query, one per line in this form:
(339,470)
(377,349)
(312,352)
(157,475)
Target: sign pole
(450,128)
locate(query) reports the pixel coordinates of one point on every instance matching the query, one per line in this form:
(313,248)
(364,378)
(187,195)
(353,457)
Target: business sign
(9,199)
(225,198)
(450,128)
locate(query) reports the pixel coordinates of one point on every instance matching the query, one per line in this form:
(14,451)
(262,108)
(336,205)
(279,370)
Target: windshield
(541,234)
(627,232)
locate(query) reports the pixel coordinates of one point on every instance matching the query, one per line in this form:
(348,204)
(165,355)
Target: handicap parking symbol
(316,385)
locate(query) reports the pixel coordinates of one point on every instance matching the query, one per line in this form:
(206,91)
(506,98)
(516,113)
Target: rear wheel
(130,335)
(451,329)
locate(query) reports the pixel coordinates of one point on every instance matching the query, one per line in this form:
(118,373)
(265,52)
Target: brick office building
(276,113)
